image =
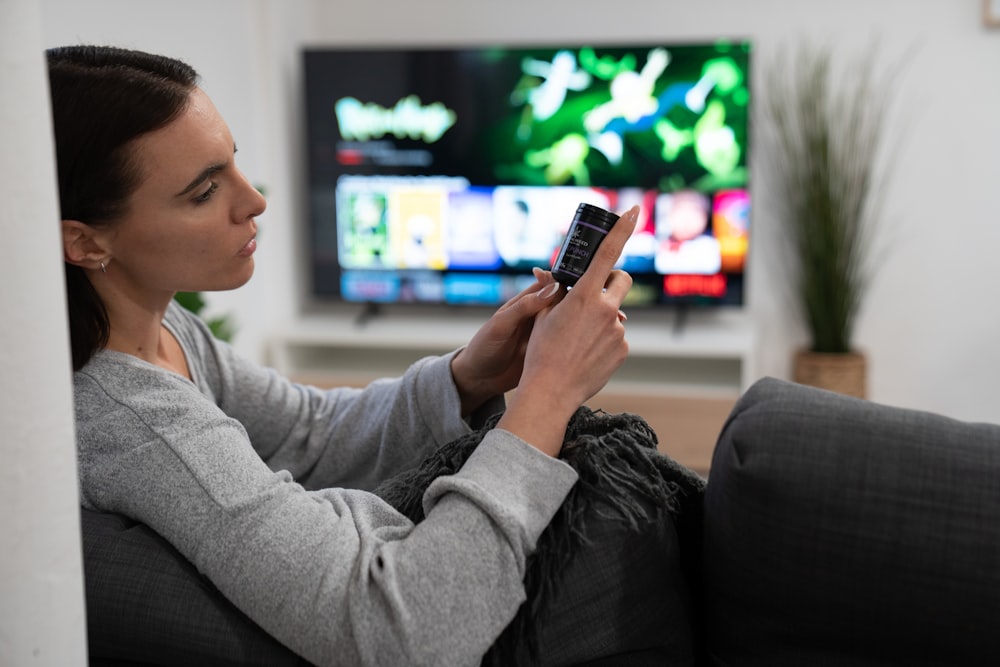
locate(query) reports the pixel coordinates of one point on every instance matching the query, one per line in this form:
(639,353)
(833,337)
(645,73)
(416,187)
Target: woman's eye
(205,196)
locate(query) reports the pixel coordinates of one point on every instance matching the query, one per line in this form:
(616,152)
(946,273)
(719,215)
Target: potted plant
(221,327)
(825,136)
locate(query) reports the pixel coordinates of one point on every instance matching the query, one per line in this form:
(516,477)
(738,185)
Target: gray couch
(833,531)
(842,532)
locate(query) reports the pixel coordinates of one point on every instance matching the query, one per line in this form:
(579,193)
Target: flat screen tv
(442,175)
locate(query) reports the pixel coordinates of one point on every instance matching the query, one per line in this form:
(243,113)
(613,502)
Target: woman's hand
(491,363)
(576,343)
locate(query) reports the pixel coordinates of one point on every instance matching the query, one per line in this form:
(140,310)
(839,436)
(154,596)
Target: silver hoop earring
(103,269)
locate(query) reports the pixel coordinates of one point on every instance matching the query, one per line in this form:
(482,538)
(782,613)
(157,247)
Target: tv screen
(442,175)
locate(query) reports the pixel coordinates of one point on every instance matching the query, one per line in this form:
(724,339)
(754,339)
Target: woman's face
(190,224)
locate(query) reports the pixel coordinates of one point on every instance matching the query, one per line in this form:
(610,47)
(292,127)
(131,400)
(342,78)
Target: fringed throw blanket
(633,511)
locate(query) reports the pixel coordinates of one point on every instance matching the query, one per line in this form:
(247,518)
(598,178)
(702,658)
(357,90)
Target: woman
(260,482)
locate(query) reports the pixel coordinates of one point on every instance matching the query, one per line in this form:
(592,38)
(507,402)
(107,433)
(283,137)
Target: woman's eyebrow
(201,178)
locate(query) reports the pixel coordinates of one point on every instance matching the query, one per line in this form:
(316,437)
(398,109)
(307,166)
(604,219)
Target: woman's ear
(83,245)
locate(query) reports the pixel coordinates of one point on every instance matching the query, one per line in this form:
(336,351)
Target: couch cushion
(147,605)
(840,531)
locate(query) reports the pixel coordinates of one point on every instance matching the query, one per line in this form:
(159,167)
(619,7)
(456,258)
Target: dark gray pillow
(147,605)
(843,532)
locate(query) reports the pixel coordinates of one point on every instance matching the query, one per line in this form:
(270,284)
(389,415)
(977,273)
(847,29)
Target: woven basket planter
(843,373)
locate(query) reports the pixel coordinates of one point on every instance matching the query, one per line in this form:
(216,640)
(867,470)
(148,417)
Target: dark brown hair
(102,99)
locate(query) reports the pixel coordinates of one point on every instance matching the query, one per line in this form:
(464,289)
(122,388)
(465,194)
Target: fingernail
(541,274)
(622,316)
(549,291)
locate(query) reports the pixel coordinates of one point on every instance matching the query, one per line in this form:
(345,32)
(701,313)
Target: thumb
(535,303)
(544,295)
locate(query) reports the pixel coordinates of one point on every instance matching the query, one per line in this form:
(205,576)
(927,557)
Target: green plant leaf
(193,301)
(221,327)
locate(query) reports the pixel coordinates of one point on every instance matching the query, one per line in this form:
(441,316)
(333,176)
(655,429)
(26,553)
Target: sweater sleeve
(337,575)
(336,437)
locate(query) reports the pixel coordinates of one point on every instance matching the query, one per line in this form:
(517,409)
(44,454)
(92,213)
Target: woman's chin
(231,282)
(246,274)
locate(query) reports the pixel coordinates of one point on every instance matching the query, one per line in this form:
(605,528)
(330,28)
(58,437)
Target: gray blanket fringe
(622,477)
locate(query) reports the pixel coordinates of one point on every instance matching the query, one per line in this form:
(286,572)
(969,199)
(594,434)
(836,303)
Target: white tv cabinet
(683,377)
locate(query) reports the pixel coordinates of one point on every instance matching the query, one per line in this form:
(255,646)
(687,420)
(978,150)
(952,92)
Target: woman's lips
(249,248)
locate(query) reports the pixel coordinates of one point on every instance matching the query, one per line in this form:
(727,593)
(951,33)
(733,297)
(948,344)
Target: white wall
(41,588)
(930,323)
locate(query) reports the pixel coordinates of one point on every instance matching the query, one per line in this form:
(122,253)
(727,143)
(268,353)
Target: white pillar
(42,612)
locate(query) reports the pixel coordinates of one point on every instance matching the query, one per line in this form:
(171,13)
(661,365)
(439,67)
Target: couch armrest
(840,531)
(147,605)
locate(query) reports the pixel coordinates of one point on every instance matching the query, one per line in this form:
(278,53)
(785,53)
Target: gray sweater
(261,482)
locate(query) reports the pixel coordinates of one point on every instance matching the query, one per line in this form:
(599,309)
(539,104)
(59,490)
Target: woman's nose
(255,202)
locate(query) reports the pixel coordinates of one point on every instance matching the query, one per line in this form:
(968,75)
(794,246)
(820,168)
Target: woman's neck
(140,332)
